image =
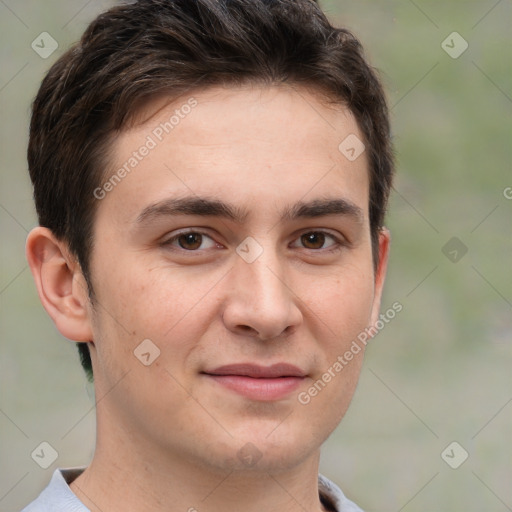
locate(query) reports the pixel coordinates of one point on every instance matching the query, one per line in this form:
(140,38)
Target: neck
(129,476)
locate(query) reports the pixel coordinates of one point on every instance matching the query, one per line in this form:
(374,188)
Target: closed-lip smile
(262,383)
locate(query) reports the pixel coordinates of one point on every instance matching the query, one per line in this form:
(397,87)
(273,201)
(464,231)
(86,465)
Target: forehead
(254,146)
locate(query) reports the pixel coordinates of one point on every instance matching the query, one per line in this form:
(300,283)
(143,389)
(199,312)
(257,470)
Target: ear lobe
(380,272)
(60,284)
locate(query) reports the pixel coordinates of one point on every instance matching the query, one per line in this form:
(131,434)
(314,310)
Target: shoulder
(333,496)
(57,496)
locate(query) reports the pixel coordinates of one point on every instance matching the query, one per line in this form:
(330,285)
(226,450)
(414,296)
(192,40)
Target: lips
(259,372)
(262,383)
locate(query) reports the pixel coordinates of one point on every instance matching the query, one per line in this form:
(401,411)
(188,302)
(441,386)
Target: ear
(60,284)
(380,272)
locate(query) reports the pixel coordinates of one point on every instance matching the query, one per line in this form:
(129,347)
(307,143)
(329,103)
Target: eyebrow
(208,207)
(192,205)
(322,208)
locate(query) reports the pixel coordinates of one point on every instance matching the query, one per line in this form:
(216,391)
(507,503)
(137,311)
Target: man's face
(171,265)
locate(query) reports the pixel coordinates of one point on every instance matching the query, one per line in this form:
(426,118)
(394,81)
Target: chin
(257,448)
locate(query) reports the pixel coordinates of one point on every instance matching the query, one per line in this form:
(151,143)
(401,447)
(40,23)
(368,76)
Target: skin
(168,436)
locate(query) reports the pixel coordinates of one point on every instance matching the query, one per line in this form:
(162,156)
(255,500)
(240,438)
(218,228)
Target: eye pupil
(190,241)
(313,240)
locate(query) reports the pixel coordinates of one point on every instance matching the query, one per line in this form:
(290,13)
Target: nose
(260,303)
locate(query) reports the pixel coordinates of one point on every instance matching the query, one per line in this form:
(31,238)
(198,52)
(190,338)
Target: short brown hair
(134,51)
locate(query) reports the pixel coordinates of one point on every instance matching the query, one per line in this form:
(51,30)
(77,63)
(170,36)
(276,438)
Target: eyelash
(338,244)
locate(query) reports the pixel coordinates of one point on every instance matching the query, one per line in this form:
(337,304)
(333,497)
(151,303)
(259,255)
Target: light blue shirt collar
(58,497)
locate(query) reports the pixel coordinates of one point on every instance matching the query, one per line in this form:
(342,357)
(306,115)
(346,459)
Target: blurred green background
(439,372)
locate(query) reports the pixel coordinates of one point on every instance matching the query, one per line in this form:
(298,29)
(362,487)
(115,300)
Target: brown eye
(190,241)
(313,240)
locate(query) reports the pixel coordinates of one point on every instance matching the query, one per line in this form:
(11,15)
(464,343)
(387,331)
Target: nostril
(246,328)
(289,330)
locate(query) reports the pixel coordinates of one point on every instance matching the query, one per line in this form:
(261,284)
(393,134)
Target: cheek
(138,302)
(343,304)
(341,313)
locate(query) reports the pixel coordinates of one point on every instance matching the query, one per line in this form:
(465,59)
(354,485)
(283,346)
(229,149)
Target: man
(211,178)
